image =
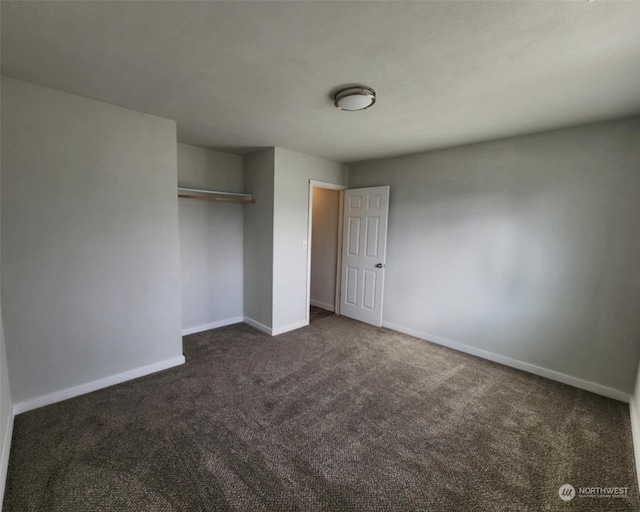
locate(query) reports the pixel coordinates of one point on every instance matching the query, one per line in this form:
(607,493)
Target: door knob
(379,265)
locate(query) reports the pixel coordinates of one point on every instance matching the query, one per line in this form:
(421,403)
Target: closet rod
(217,192)
(215,195)
(213,198)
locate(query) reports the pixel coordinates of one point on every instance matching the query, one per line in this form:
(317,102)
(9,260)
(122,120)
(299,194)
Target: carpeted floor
(335,416)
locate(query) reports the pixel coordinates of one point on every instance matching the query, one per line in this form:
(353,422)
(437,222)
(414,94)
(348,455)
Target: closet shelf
(215,195)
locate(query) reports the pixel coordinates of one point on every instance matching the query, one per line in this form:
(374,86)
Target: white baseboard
(323,305)
(275,330)
(635,433)
(290,327)
(514,363)
(257,325)
(4,460)
(212,325)
(82,389)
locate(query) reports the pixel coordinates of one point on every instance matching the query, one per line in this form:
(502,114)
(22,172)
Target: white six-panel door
(364,248)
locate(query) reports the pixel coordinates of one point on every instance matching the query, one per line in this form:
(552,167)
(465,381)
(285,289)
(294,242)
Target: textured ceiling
(240,75)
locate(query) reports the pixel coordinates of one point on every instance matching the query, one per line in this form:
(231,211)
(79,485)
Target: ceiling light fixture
(354,98)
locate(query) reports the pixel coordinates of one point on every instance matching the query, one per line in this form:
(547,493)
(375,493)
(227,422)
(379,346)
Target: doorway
(325,244)
(352,260)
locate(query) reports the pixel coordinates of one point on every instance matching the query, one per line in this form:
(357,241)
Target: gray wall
(525,247)
(90,249)
(211,235)
(290,224)
(635,408)
(635,422)
(6,403)
(324,247)
(258,237)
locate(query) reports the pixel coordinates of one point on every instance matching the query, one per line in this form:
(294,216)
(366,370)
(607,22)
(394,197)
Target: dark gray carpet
(336,416)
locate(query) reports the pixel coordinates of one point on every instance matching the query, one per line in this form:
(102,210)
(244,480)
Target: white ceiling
(240,75)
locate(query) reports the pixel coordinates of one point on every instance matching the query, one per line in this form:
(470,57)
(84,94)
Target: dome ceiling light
(354,98)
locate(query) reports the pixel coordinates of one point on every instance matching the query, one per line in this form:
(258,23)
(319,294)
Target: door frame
(331,186)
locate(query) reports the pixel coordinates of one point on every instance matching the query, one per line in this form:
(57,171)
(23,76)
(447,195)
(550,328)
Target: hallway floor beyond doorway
(316,313)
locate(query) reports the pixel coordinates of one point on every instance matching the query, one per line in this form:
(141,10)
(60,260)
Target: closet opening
(325,250)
